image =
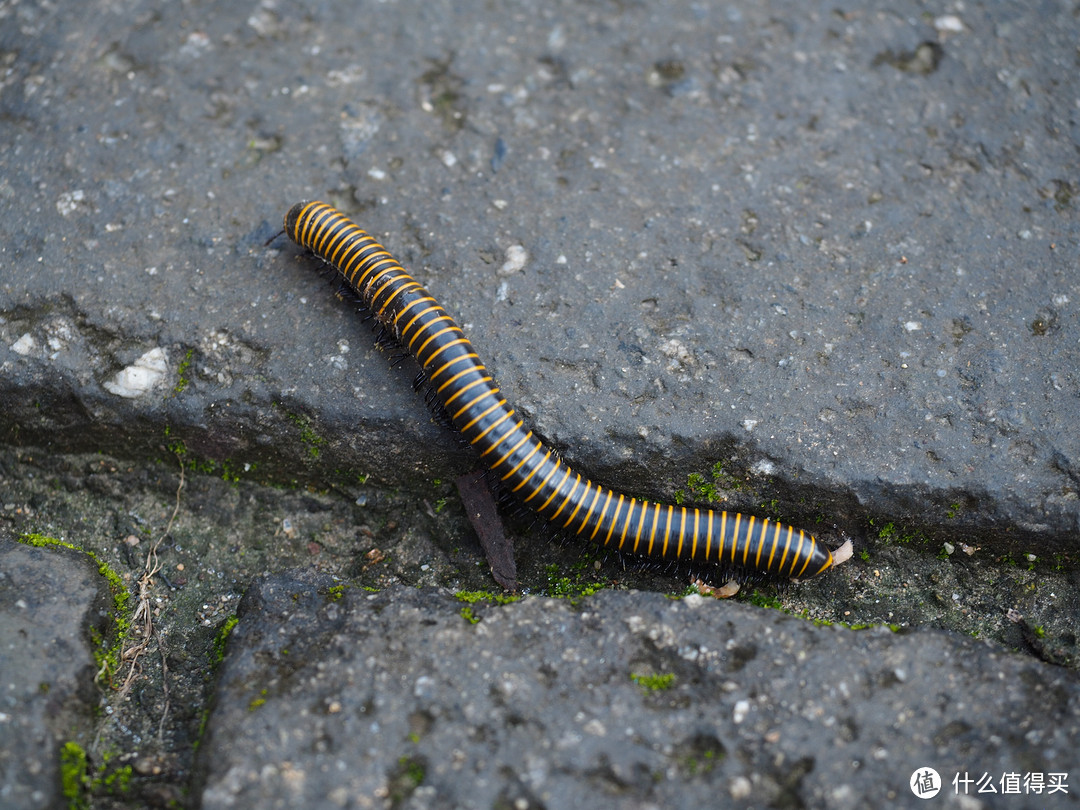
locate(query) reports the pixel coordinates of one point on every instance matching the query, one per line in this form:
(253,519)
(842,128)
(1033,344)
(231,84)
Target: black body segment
(541,480)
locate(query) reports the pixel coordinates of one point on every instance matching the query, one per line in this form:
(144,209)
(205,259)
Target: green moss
(771,508)
(654,683)
(74,780)
(573,588)
(111,780)
(472,597)
(229,469)
(764,600)
(257,702)
(756,597)
(406,778)
(119,780)
(182,381)
(708,489)
(106,655)
(222,639)
(467,615)
(78,786)
(886,533)
(704,764)
(414,769)
(889,533)
(308,436)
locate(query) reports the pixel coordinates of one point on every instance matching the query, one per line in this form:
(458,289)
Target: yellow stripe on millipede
(451,328)
(496,464)
(581,502)
(470,357)
(310,223)
(382,286)
(682,534)
(569,495)
(491,427)
(456,377)
(749,539)
(443,348)
(787,545)
(469,425)
(642,508)
(338,244)
(642,511)
(518,466)
(667,532)
(335,244)
(614,518)
(807,556)
(772,556)
(434,307)
(464,388)
(323,225)
(543,483)
(366,267)
(409,286)
(600,520)
(555,491)
(761,545)
(537,467)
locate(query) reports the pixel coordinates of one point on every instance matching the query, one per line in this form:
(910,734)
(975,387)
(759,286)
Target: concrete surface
(361,699)
(835,249)
(52,602)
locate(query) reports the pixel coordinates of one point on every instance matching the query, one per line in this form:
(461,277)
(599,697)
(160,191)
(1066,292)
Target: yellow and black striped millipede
(535,474)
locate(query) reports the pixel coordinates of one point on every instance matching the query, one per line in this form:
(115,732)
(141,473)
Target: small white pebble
(24,345)
(141,376)
(742,708)
(516,257)
(740,788)
(950,23)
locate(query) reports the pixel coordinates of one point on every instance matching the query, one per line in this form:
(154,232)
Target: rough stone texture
(833,247)
(779,235)
(396,699)
(50,599)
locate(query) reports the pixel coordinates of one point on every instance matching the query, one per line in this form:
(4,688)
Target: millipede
(520,461)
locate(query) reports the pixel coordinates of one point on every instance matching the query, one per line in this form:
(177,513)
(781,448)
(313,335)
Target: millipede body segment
(536,475)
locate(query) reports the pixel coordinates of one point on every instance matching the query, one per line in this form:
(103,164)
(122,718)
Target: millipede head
(291,218)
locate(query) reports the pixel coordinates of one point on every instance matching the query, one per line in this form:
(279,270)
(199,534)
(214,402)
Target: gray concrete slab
(763,234)
(52,601)
(623,700)
(833,249)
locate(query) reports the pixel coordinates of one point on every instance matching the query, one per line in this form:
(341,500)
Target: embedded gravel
(822,257)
